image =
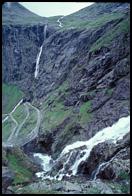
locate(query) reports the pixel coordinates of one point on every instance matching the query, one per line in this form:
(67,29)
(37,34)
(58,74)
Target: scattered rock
(7,178)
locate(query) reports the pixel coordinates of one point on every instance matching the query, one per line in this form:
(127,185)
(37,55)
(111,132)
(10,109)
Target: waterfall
(8,4)
(104,165)
(60,24)
(114,133)
(45,29)
(39,54)
(46,161)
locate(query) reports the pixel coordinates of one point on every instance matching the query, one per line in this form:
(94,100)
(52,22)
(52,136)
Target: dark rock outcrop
(7,178)
(106,152)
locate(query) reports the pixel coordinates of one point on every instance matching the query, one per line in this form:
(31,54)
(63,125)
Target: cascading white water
(45,29)
(60,24)
(113,134)
(39,54)
(46,161)
(37,62)
(103,166)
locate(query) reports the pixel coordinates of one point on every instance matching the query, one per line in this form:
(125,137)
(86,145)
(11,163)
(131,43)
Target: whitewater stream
(47,163)
(60,23)
(39,54)
(113,134)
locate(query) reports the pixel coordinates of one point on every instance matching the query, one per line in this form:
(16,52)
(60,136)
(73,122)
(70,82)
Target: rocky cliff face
(20,48)
(96,81)
(94,66)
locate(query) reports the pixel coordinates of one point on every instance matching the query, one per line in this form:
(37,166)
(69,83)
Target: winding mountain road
(21,125)
(14,129)
(34,132)
(13,139)
(5,119)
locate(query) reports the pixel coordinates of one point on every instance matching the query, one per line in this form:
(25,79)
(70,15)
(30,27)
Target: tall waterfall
(8,4)
(114,133)
(39,54)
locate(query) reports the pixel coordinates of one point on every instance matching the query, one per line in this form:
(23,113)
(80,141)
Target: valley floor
(74,186)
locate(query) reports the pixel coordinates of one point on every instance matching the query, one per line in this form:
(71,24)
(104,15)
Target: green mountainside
(16,14)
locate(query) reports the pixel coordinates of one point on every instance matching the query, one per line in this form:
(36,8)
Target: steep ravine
(81,150)
(22,43)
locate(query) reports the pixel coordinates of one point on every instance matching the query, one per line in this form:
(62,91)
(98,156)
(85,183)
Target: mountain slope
(14,13)
(11,96)
(98,9)
(96,15)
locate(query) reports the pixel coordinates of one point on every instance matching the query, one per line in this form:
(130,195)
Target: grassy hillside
(21,165)
(108,37)
(7,128)
(95,15)
(29,124)
(11,95)
(20,114)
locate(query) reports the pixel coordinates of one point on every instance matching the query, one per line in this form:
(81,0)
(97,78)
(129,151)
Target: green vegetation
(125,188)
(23,174)
(63,87)
(20,15)
(84,114)
(120,187)
(94,190)
(55,115)
(65,135)
(55,95)
(28,190)
(124,175)
(17,20)
(109,36)
(53,20)
(20,114)
(90,23)
(11,95)
(7,127)
(109,91)
(54,111)
(4,116)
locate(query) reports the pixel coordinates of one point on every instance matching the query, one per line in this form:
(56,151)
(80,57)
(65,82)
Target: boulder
(68,186)
(121,68)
